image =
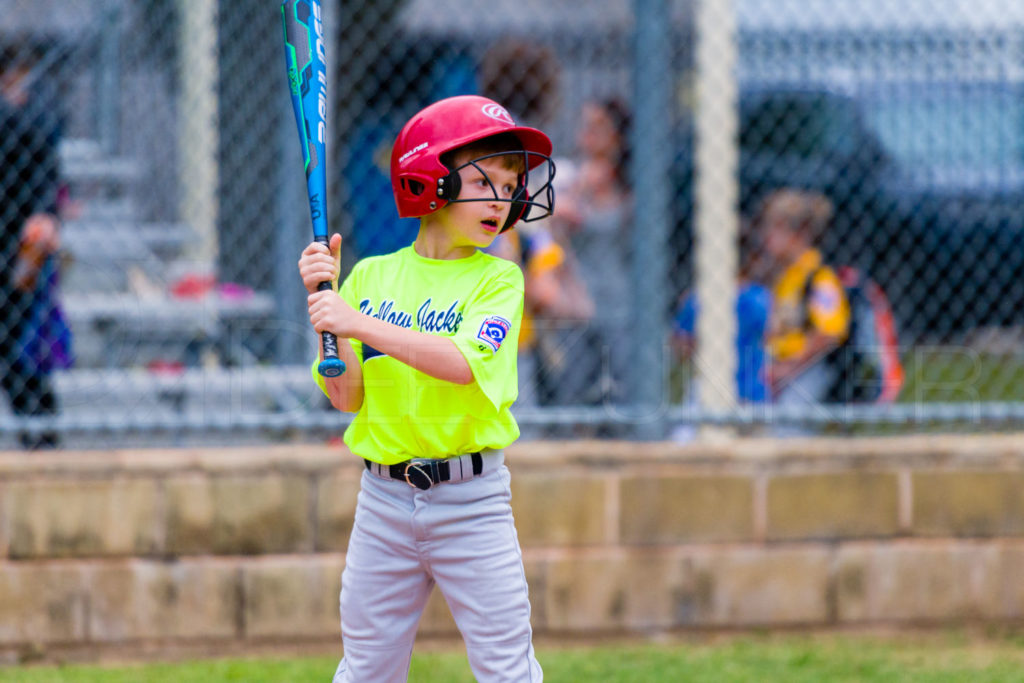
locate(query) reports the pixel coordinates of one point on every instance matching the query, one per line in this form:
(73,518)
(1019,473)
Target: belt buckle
(417,475)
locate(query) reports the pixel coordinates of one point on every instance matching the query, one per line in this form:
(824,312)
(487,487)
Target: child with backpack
(831,336)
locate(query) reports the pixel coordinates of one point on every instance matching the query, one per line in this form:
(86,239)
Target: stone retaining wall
(232,548)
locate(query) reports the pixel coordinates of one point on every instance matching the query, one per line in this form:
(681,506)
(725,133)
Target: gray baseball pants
(459,535)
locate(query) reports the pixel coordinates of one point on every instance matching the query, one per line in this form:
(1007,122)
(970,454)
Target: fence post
(108,86)
(716,207)
(198,109)
(650,170)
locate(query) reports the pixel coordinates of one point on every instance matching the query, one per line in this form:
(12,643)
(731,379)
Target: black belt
(422,473)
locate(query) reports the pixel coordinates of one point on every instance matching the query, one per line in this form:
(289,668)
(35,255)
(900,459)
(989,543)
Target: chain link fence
(879,216)
(780,215)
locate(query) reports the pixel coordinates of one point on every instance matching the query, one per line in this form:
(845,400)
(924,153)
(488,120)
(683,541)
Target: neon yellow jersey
(478,302)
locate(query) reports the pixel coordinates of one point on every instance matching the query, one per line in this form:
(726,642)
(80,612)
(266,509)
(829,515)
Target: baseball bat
(306,60)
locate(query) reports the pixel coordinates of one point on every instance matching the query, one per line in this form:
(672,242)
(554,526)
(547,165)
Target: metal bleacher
(146,356)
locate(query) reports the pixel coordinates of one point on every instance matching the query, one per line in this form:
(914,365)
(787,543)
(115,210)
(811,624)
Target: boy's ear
(448,186)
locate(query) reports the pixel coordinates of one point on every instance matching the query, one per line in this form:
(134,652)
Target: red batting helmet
(422,183)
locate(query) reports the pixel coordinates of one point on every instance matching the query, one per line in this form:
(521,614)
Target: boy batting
(429,335)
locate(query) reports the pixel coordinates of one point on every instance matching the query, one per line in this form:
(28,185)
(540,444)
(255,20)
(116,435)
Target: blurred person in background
(33,336)
(810,313)
(592,218)
(553,292)
(526,76)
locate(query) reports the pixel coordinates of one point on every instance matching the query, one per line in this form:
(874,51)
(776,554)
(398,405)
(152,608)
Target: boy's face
(781,241)
(598,136)
(477,223)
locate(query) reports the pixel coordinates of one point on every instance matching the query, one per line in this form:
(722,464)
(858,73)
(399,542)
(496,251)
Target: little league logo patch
(493,332)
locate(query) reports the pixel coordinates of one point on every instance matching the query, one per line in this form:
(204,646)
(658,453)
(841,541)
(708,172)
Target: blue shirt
(752,305)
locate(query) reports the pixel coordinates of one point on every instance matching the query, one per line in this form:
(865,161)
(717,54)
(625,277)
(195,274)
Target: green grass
(962,374)
(790,658)
(932,374)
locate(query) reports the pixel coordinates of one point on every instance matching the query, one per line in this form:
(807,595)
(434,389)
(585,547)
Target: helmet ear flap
(519,208)
(449,186)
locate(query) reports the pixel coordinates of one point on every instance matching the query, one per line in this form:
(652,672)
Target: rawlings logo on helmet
(417,148)
(498,112)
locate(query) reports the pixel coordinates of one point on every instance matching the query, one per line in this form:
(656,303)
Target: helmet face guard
(422,183)
(530,201)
